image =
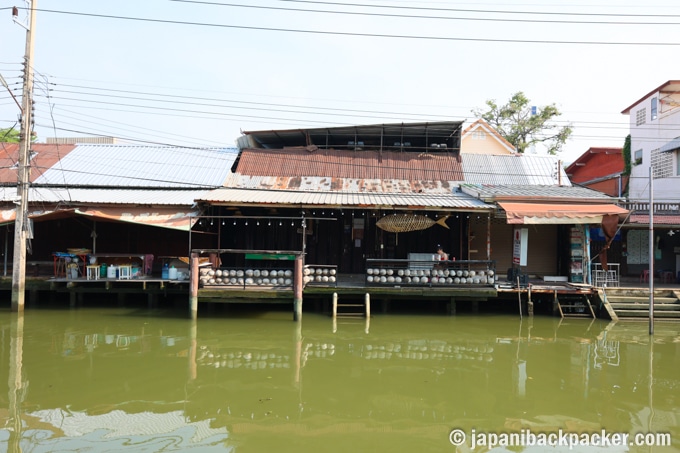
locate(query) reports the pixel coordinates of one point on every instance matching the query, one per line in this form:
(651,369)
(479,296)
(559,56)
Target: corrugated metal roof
(322,183)
(299,162)
(141,166)
(233,196)
(107,196)
(527,192)
(517,169)
(44,156)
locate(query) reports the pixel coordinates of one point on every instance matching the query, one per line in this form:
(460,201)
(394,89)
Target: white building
(655,141)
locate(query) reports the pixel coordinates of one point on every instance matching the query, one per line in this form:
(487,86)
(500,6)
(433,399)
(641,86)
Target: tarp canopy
(551,213)
(159,217)
(165,217)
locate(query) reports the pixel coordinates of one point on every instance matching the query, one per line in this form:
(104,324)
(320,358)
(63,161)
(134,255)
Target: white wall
(650,137)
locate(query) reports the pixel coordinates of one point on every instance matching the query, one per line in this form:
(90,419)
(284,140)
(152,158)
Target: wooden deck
(349,287)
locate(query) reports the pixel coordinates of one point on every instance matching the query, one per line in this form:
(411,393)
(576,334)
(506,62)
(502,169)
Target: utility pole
(24,172)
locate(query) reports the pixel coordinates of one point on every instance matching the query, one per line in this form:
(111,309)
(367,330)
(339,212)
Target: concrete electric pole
(24,171)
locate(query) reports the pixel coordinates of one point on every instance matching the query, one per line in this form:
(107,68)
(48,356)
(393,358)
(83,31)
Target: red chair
(644,276)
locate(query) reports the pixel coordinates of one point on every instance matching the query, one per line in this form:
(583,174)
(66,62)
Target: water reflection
(119,379)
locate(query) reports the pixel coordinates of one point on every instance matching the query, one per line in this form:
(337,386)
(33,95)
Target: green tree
(522,127)
(9,135)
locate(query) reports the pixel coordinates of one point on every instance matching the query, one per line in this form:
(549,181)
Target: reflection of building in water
(252,359)
(606,353)
(152,428)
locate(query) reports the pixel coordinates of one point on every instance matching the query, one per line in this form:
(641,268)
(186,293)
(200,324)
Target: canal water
(104,379)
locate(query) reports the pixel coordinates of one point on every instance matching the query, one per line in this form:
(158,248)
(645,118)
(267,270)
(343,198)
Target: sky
(198,73)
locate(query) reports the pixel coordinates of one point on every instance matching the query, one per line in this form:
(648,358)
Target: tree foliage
(523,128)
(9,135)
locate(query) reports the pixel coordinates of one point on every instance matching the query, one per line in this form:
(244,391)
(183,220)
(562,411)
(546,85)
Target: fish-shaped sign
(401,223)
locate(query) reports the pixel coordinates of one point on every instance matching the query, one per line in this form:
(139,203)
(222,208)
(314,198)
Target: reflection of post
(193,298)
(651,382)
(297,288)
(297,378)
(15,381)
(192,349)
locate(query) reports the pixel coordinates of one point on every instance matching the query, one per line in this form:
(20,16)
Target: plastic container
(165,273)
(172,273)
(111,271)
(102,270)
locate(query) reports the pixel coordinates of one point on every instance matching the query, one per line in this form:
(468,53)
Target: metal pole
(24,173)
(651,250)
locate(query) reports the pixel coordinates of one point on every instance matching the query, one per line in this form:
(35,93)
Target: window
(478,135)
(654,113)
(637,160)
(641,117)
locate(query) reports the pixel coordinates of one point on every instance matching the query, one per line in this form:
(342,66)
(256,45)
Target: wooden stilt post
(335,305)
(530,304)
(367,301)
(452,306)
(193,285)
(297,289)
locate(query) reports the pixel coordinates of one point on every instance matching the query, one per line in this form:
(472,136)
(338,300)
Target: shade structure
(552,213)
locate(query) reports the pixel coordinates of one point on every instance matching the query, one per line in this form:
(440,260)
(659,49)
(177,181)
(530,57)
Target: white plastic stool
(92,272)
(124,272)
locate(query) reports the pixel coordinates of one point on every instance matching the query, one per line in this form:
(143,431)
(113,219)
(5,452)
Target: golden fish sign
(402,223)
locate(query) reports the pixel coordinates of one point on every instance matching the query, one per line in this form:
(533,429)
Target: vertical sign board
(519,246)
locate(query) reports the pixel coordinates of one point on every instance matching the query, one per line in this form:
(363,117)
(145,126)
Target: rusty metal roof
(448,201)
(299,162)
(44,156)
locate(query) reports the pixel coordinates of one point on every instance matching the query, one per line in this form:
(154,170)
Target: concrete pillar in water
(335,305)
(367,301)
(193,286)
(530,304)
(297,289)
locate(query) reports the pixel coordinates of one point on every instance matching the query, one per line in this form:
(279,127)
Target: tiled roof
(643,219)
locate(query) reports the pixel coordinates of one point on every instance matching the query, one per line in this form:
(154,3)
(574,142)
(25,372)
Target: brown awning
(173,218)
(549,213)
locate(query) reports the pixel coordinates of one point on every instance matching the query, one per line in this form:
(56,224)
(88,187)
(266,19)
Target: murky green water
(115,379)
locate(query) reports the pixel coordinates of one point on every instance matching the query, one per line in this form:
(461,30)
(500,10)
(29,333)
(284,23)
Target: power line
(474,10)
(366,35)
(416,16)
